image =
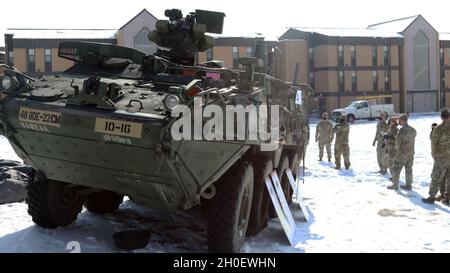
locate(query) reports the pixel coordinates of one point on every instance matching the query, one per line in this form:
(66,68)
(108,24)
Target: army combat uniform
(389,146)
(404,155)
(341,146)
(440,149)
(323,136)
(382,127)
(442,188)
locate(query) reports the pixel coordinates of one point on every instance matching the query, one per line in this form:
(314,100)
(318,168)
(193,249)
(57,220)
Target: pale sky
(243,17)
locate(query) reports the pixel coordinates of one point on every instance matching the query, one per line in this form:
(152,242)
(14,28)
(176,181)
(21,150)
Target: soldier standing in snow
(440,150)
(341,147)
(323,135)
(382,127)
(442,188)
(389,143)
(404,154)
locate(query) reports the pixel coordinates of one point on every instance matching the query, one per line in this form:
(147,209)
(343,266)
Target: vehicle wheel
(229,210)
(351,118)
(281,171)
(52,203)
(259,217)
(103,202)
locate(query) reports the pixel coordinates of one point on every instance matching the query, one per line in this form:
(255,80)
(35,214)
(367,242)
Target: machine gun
(184,37)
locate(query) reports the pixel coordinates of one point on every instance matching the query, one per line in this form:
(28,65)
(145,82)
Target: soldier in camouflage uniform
(389,143)
(442,188)
(342,130)
(440,150)
(404,154)
(382,127)
(323,135)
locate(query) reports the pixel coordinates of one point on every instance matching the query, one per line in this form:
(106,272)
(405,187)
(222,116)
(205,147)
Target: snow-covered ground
(351,211)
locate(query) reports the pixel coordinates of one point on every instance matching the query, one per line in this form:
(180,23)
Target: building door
(322,105)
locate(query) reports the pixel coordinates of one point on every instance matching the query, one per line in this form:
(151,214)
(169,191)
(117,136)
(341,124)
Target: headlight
(171,101)
(6,82)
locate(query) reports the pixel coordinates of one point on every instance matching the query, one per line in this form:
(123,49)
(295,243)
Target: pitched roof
(345,32)
(53,33)
(397,25)
(137,15)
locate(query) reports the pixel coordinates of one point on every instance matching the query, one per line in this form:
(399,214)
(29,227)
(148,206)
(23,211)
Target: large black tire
(229,210)
(52,204)
(350,118)
(259,214)
(103,202)
(281,171)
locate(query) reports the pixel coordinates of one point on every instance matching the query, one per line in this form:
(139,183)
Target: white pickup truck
(363,109)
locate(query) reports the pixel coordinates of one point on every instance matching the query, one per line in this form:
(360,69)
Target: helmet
(393,120)
(403,117)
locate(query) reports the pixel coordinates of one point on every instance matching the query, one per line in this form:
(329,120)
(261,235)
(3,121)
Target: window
(353,55)
(311,79)
(386,55)
(235,56)
(353,80)
(48,55)
(341,81)
(387,84)
(142,43)
(248,52)
(31,57)
(31,60)
(311,56)
(209,54)
(374,56)
(375,80)
(421,62)
(11,57)
(341,55)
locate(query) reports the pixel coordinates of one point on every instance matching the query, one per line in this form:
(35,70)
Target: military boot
(446,198)
(439,197)
(429,200)
(406,187)
(446,201)
(337,167)
(393,187)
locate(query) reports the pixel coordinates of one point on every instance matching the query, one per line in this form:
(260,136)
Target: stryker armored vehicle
(108,128)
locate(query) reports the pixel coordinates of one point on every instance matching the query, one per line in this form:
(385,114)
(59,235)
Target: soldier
(342,130)
(404,154)
(323,136)
(382,127)
(389,143)
(442,188)
(440,150)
